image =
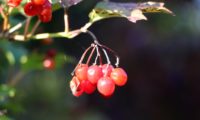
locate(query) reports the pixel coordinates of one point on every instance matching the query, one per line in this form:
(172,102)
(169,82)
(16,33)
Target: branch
(69,35)
(66,21)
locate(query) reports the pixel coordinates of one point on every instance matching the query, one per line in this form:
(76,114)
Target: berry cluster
(49,62)
(40,8)
(104,77)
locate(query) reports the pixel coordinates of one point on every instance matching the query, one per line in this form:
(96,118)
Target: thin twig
(5,22)
(114,53)
(16,78)
(104,47)
(98,55)
(93,36)
(16,27)
(26,27)
(82,57)
(90,56)
(40,36)
(66,20)
(35,27)
(106,54)
(69,35)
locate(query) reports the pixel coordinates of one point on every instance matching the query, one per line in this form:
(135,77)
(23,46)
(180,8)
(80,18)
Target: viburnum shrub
(98,72)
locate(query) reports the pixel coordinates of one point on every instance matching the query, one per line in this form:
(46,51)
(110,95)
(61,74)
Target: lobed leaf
(132,11)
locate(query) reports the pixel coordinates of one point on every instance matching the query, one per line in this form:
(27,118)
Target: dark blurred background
(161,57)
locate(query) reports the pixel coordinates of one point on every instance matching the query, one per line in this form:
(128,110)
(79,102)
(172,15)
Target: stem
(66,21)
(100,58)
(69,35)
(82,57)
(10,9)
(5,22)
(106,54)
(98,55)
(93,36)
(114,53)
(35,27)
(26,27)
(39,36)
(5,16)
(103,46)
(89,58)
(16,27)
(16,78)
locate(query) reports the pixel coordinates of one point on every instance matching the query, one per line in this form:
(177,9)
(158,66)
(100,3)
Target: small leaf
(132,11)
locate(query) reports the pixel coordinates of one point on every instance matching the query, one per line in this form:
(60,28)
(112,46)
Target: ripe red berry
(49,63)
(76,87)
(107,69)
(106,86)
(13,3)
(89,88)
(46,15)
(94,73)
(38,2)
(81,72)
(31,9)
(119,76)
(46,4)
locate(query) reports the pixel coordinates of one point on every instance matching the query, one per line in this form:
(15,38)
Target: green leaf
(152,7)
(132,11)
(32,61)
(6,91)
(4,117)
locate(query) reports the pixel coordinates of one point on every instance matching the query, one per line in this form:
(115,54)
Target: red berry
(81,72)
(76,87)
(89,88)
(51,53)
(46,15)
(13,3)
(119,76)
(1,9)
(107,69)
(49,63)
(106,86)
(38,2)
(46,4)
(31,9)
(47,41)
(94,73)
